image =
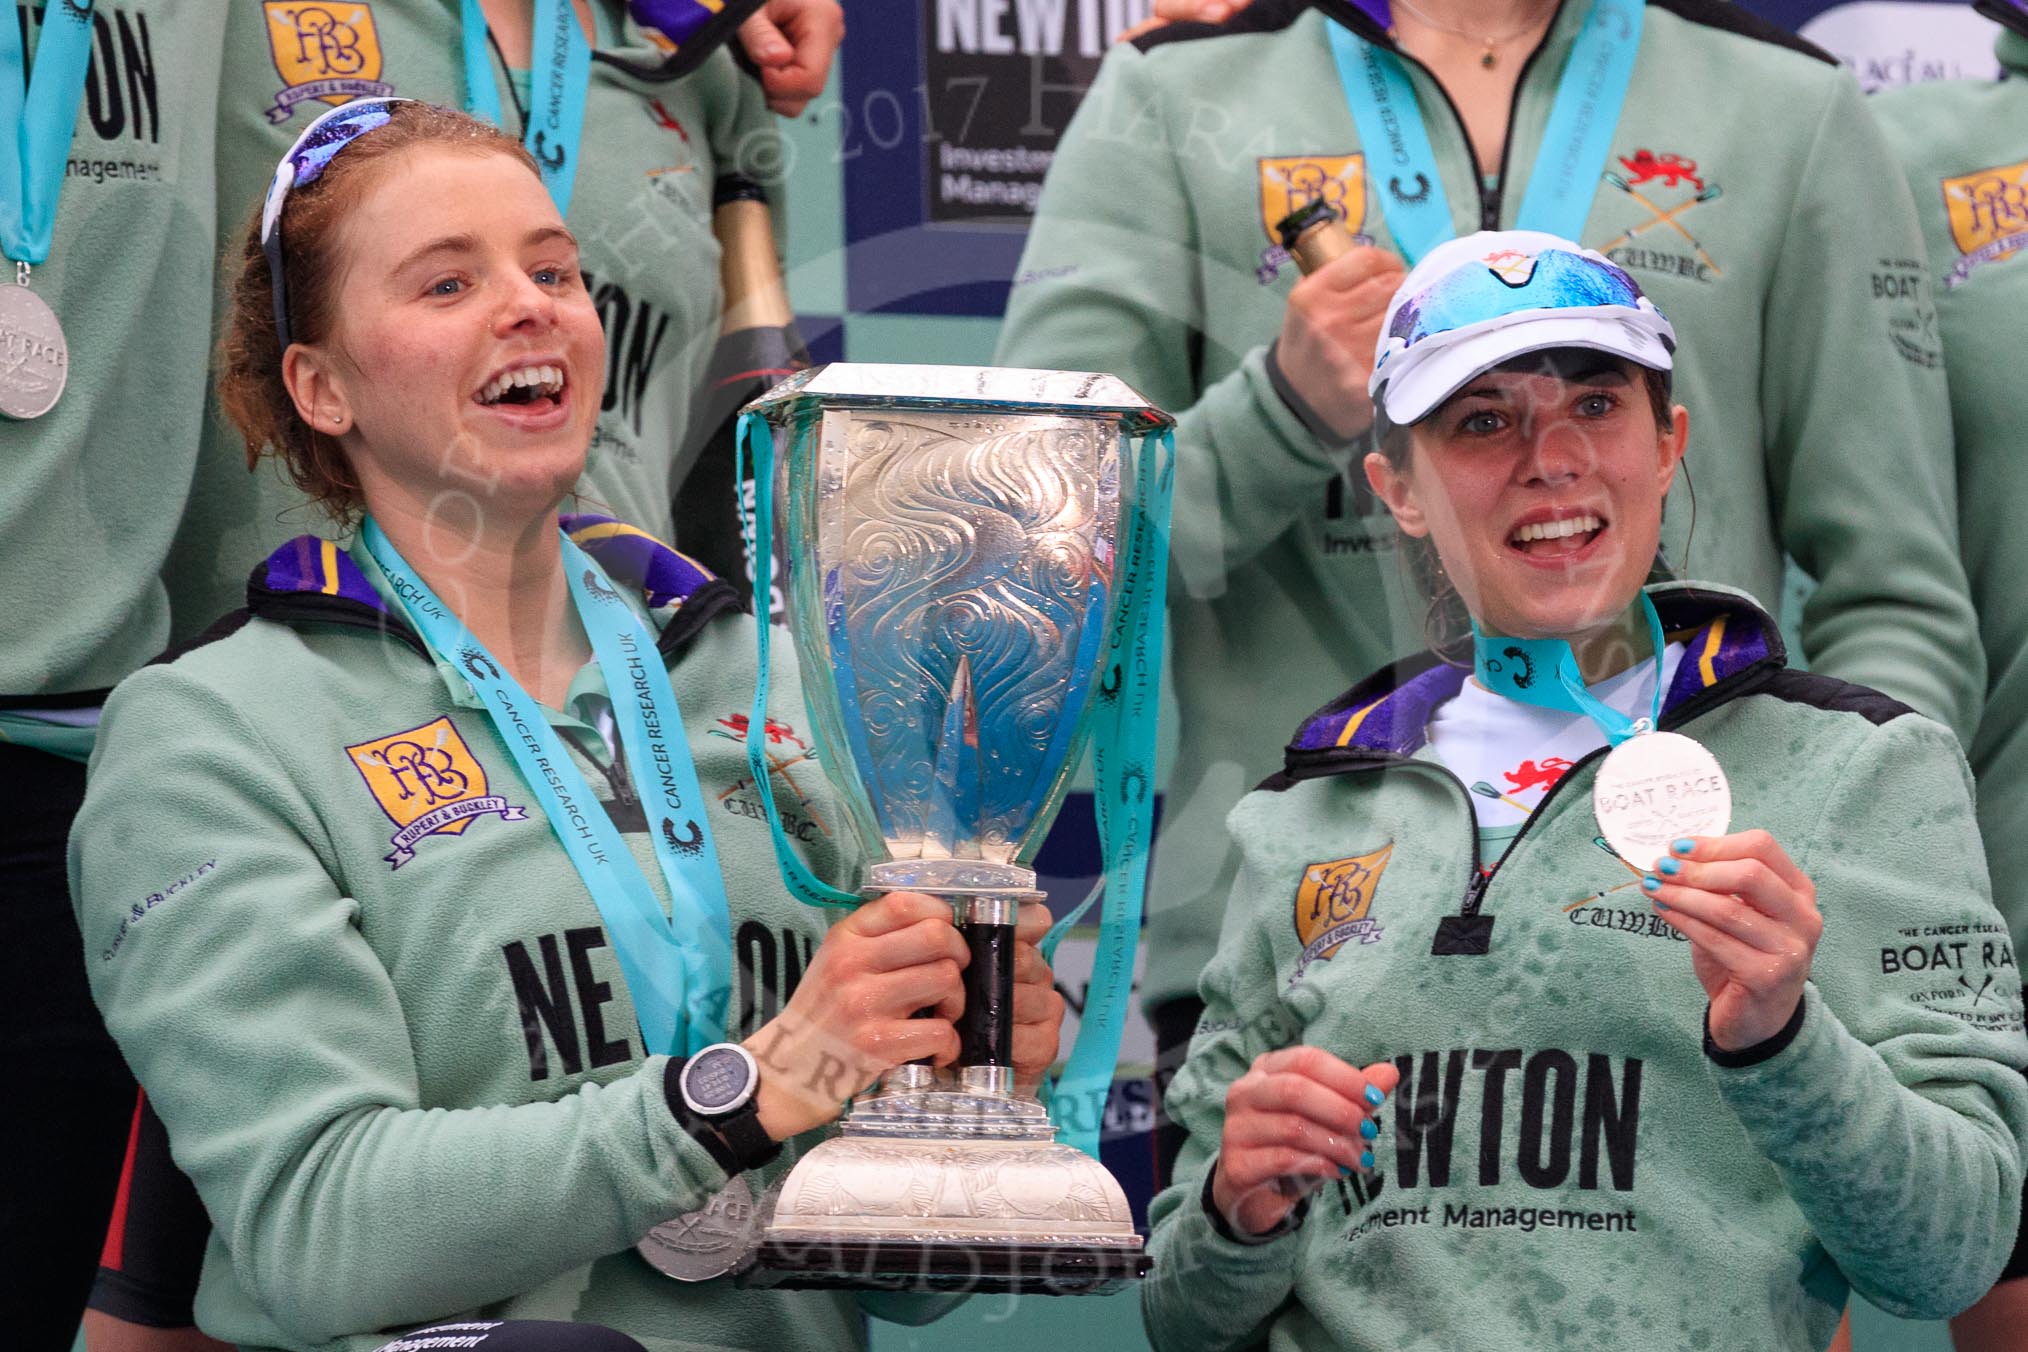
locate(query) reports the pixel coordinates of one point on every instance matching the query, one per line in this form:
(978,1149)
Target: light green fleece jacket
(1568,1162)
(640,208)
(1964,145)
(90,491)
(1796,284)
(401,1065)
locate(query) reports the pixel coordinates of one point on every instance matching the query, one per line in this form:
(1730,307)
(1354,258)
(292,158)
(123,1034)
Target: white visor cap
(1477,302)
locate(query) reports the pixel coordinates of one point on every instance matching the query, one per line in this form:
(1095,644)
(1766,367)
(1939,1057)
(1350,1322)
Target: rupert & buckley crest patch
(428,783)
(326,50)
(1334,903)
(1988,212)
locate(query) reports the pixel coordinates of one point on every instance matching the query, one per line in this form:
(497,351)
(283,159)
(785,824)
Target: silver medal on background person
(1656,788)
(41,107)
(34,359)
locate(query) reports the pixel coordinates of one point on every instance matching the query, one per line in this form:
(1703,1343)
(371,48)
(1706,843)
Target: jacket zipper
(1490,211)
(1489,204)
(1476,880)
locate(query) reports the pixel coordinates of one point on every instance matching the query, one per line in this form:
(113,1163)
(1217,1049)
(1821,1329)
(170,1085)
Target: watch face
(718,1079)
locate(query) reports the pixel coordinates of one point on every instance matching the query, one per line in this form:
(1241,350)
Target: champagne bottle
(1314,234)
(758,346)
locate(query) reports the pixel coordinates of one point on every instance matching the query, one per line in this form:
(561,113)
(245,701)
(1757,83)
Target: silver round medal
(1656,788)
(34,359)
(708,1243)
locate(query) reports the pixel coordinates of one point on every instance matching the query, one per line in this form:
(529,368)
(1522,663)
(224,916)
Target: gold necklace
(1490,57)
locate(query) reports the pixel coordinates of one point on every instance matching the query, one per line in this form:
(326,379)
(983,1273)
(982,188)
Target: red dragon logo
(1672,171)
(777,733)
(1534,776)
(666,120)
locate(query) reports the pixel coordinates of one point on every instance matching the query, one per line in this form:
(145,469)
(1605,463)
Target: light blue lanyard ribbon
(1123,797)
(1543,672)
(36,117)
(678,967)
(1123,766)
(1402,165)
(558,86)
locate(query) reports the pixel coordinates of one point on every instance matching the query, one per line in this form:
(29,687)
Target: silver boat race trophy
(975,590)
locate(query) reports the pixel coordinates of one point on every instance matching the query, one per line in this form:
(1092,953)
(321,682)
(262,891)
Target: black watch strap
(736,1142)
(748,1140)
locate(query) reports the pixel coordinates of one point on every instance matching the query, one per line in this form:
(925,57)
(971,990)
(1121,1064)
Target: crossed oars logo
(1485,790)
(1710,192)
(1600,841)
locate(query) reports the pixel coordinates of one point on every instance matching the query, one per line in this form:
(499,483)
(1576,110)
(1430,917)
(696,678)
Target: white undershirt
(1519,750)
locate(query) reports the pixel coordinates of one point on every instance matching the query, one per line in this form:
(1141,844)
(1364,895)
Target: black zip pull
(1466,934)
(618,777)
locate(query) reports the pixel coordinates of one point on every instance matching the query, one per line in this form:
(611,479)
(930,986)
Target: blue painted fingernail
(1651,883)
(1684,846)
(1366,1159)
(1672,867)
(1368,1130)
(1344,1171)
(1374,1096)
(1660,904)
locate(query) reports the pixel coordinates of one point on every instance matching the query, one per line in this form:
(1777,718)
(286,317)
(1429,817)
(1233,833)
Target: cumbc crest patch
(1334,902)
(325,51)
(428,783)
(1988,213)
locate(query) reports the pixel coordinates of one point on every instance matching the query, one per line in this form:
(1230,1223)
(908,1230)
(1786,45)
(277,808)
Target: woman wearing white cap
(1673,960)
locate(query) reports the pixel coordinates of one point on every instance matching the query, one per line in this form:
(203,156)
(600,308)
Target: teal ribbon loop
(1402,167)
(37,115)
(559,84)
(678,966)
(753,437)
(1544,672)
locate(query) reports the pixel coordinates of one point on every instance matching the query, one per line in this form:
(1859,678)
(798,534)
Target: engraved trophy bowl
(952,535)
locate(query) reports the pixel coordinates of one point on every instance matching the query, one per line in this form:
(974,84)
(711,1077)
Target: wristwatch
(712,1095)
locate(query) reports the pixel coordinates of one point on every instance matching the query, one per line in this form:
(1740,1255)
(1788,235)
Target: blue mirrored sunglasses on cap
(1554,279)
(305,163)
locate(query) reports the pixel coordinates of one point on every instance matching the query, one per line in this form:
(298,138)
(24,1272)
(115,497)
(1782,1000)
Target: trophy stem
(986,1029)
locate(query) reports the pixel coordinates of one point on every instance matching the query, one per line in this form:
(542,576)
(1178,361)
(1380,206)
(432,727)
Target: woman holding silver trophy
(1673,960)
(464,981)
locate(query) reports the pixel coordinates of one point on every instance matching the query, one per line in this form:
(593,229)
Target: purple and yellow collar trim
(1724,634)
(309,566)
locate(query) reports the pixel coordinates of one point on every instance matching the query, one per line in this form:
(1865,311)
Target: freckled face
(1542,493)
(465,347)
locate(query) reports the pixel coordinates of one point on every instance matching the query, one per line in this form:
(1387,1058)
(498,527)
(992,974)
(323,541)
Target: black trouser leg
(69,1099)
(1174,1022)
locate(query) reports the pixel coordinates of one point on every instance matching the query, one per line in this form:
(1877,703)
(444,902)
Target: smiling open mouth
(530,386)
(1552,539)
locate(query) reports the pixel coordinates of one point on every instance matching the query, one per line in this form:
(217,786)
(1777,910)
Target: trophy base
(935,1189)
(937,1265)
